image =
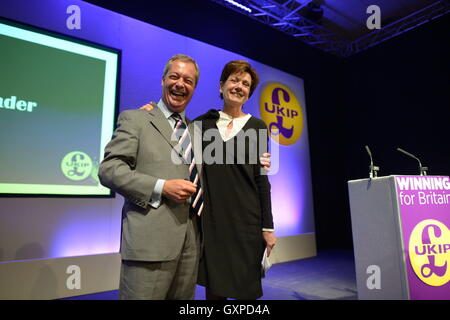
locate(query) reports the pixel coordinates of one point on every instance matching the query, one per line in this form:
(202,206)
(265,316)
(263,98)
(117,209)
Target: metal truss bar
(415,15)
(300,34)
(282,23)
(403,25)
(279,12)
(297,9)
(285,17)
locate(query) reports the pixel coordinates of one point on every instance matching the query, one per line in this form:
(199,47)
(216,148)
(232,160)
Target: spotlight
(240,6)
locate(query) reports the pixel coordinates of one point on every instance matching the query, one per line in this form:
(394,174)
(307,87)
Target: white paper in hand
(265,263)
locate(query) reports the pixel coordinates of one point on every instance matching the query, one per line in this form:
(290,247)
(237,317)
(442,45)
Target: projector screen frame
(115,111)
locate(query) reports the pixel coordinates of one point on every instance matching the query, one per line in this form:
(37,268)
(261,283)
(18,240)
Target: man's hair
(240,66)
(184,58)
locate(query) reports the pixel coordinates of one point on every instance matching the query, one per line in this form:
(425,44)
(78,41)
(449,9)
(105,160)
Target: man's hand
(265,161)
(178,190)
(147,107)
(270,239)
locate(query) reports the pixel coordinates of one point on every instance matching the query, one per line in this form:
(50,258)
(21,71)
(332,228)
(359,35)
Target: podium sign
(401,236)
(424,205)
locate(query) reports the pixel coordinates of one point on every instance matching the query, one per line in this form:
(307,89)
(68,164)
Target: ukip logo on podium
(282,113)
(429,252)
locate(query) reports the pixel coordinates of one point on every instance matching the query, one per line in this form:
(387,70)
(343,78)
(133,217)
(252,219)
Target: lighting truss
(398,27)
(284,15)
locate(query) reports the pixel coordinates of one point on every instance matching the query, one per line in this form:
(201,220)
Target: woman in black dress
(237,226)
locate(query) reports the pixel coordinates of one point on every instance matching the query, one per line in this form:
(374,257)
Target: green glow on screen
(52,82)
(12,188)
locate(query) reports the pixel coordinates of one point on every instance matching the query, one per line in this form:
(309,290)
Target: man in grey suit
(160,238)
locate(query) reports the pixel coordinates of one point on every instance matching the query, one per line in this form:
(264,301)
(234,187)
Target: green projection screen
(57,111)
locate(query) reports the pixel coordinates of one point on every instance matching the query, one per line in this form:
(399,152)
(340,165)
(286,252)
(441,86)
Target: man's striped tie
(184,141)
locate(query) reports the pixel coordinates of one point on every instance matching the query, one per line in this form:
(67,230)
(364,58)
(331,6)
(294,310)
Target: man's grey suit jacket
(140,153)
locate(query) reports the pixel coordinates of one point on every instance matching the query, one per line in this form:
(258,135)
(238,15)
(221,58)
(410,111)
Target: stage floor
(328,276)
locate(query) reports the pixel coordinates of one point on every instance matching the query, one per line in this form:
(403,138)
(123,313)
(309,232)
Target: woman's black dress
(238,206)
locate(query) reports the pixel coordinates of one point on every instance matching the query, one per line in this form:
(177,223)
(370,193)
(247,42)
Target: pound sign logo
(429,252)
(281,112)
(76,165)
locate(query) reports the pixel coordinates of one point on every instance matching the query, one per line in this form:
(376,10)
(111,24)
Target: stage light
(313,11)
(240,6)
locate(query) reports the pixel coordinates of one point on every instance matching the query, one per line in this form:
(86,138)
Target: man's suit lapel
(159,121)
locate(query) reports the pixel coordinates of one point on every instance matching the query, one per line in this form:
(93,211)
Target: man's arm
(117,170)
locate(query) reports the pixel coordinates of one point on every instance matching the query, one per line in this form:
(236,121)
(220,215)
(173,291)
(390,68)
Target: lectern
(401,236)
